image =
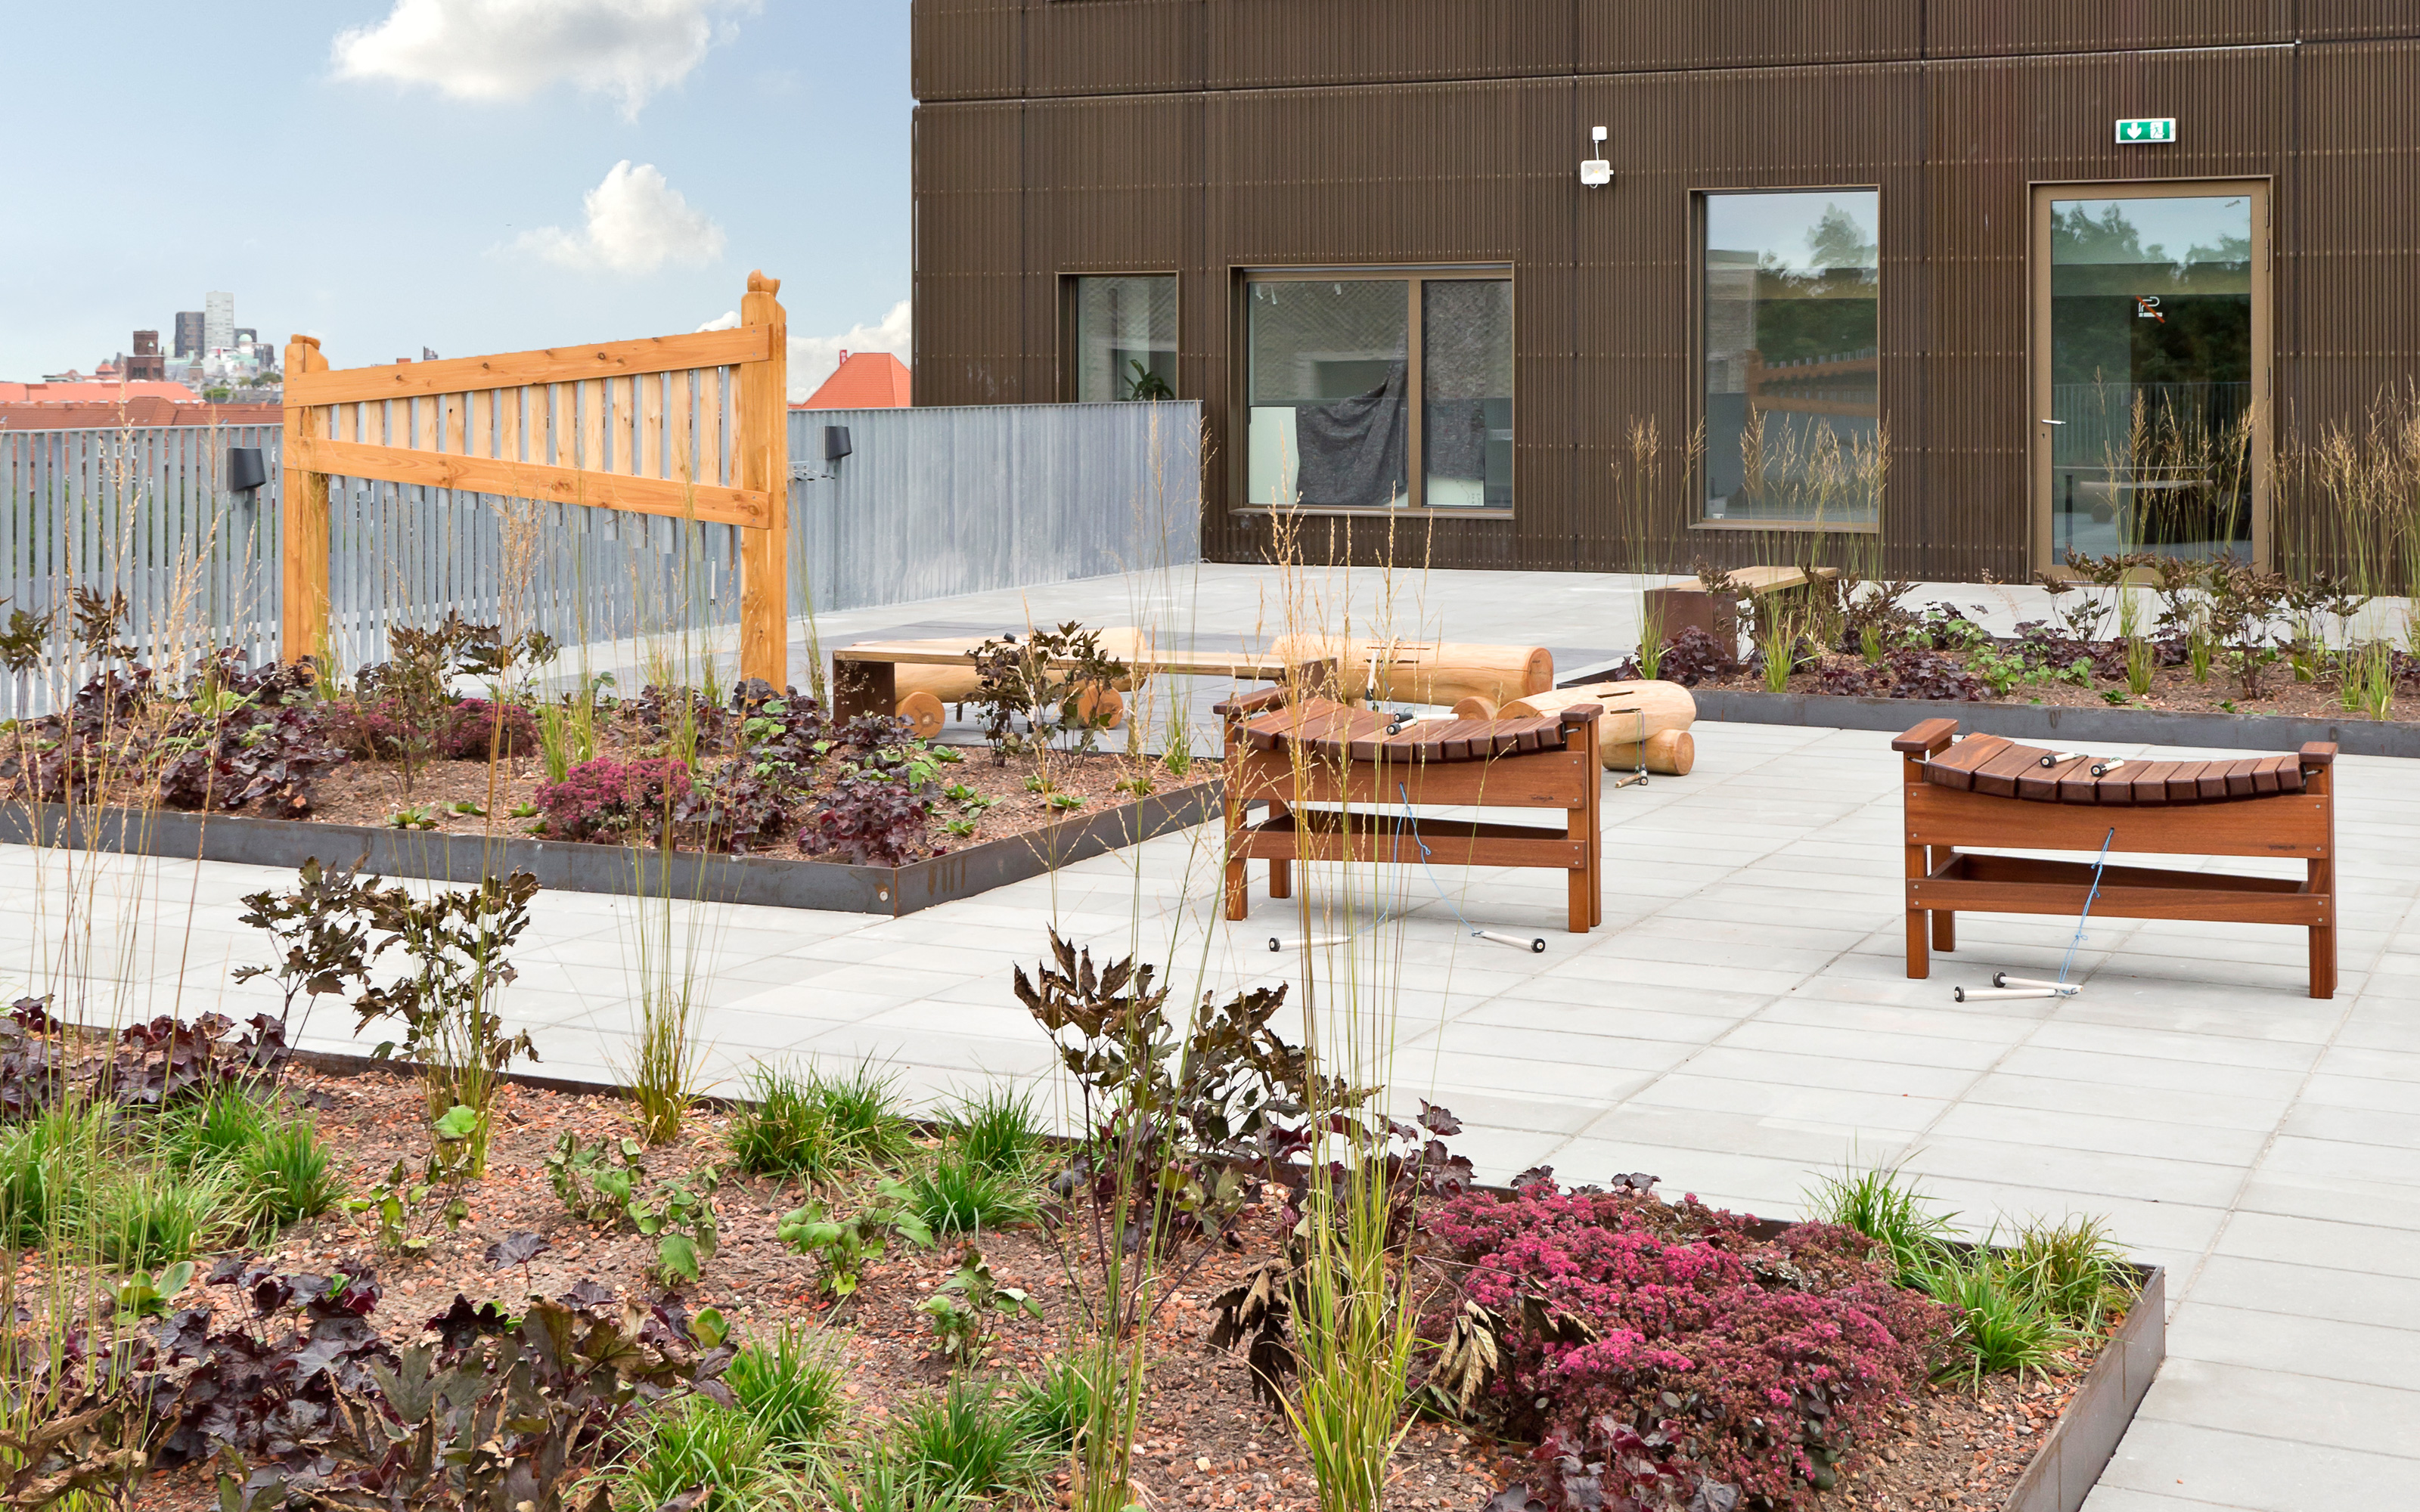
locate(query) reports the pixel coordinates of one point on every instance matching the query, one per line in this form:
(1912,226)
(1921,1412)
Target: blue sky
(468,175)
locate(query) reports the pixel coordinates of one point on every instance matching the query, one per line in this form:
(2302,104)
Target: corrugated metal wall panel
(1266,43)
(966,49)
(1996,28)
(1747,33)
(2345,20)
(1087,47)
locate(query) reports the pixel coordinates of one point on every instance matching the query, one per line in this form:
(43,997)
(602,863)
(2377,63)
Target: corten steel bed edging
(579,866)
(2050,721)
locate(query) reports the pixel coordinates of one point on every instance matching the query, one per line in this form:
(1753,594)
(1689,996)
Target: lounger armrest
(1579,713)
(2318,754)
(1260,701)
(1931,738)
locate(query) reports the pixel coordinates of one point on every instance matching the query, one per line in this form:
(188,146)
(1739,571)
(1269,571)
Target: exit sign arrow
(2147,129)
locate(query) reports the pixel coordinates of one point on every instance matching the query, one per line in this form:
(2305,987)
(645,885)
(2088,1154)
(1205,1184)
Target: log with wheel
(926,690)
(1658,712)
(1426,671)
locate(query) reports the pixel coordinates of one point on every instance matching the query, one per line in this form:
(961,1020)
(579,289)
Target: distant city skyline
(465,175)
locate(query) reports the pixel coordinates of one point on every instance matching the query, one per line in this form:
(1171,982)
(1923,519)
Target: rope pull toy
(2003,985)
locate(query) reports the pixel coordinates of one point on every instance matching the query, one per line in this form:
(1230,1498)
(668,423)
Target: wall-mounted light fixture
(1596,172)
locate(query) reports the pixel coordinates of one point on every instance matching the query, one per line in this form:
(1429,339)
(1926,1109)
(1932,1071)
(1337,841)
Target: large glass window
(2151,379)
(1793,411)
(1337,407)
(1123,330)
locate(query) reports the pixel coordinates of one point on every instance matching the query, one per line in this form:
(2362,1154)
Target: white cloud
(814,359)
(629,49)
(727,320)
(636,222)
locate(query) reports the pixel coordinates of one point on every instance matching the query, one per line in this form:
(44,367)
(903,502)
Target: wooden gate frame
(467,431)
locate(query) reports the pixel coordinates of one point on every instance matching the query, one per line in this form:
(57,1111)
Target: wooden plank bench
(1286,753)
(1985,791)
(867,677)
(1677,607)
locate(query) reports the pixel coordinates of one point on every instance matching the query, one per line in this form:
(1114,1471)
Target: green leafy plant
(2141,658)
(144,1295)
(403,1210)
(599,1184)
(965,1312)
(842,1248)
(411,817)
(1063,802)
(962,828)
(1038,691)
(1178,756)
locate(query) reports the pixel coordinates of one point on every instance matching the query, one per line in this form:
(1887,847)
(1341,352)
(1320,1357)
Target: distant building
(863,381)
(218,322)
(189,333)
(146,366)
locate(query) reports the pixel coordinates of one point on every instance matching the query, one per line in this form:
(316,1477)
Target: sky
(463,176)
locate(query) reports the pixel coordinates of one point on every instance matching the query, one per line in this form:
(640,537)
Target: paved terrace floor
(1740,1022)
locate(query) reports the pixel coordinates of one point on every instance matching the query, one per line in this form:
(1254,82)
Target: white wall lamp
(1596,172)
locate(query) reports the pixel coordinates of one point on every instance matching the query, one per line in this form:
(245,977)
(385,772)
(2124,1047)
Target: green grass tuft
(2073,1270)
(288,1172)
(694,1442)
(998,1129)
(2003,1328)
(966,1442)
(810,1126)
(46,1167)
(955,1196)
(144,1218)
(1888,1209)
(214,1131)
(790,1385)
(1052,1407)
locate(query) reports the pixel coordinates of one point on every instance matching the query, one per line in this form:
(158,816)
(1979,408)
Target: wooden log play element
(924,714)
(1631,710)
(1426,671)
(926,690)
(1669,753)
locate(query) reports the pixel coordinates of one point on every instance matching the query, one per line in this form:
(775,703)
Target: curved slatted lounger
(1985,791)
(1357,778)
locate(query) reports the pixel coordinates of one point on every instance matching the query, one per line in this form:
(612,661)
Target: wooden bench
(1985,791)
(1285,752)
(1677,607)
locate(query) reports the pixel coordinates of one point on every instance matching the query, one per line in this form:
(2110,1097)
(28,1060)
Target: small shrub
(998,1129)
(605,799)
(955,1196)
(1693,656)
(475,729)
(809,1126)
(967,1440)
(1053,1406)
(791,1386)
(1916,673)
(869,820)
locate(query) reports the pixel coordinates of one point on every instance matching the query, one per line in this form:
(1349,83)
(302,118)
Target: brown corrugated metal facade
(1207,137)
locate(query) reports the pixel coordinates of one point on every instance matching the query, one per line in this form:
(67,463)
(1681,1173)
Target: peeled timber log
(923,688)
(1427,671)
(1632,711)
(1669,753)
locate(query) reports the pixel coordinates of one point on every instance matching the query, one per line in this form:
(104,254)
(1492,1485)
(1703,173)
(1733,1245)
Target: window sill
(1775,526)
(1373,513)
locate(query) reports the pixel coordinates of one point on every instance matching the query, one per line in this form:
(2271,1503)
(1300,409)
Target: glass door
(2150,370)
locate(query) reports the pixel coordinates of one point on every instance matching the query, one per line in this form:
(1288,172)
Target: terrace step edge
(2047,721)
(577,866)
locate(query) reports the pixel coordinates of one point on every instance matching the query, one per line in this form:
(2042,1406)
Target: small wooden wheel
(1102,705)
(1475,707)
(924,714)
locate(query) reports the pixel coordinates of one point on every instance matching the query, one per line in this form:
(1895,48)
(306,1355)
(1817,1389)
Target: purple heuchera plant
(1658,1347)
(605,799)
(871,820)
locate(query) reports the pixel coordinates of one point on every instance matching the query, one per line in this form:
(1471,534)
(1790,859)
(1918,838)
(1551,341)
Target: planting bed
(1205,1441)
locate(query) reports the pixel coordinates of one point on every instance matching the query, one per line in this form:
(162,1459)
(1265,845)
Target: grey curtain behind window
(1354,449)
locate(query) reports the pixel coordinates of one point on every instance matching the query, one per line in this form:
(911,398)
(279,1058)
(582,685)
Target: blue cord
(2098,866)
(1413,822)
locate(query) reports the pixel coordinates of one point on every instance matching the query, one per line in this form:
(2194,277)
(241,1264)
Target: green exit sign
(2159,129)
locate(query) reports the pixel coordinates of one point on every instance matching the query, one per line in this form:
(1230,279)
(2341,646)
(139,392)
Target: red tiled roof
(865,381)
(142,409)
(94,393)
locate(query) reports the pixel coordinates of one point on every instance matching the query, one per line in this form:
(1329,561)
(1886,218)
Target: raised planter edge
(2046,721)
(577,866)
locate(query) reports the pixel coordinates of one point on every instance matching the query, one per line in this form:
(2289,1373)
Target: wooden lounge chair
(1285,749)
(1984,790)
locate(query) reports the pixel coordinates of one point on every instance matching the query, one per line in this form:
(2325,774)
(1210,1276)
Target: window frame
(1063,381)
(1414,276)
(1700,417)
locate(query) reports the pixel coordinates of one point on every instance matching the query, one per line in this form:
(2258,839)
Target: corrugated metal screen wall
(1203,137)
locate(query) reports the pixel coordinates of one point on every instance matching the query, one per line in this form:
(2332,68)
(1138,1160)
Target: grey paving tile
(2318,1348)
(2283,1404)
(2252,1473)
(2313,1289)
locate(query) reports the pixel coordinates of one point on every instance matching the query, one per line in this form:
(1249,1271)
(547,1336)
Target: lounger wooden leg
(2323,882)
(1280,869)
(1239,889)
(1919,958)
(1945,922)
(1577,911)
